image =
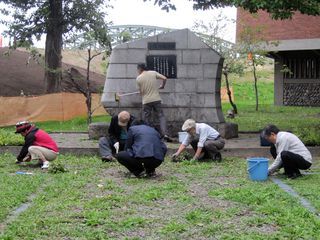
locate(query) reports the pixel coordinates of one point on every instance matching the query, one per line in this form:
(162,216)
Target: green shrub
(57,167)
(309,136)
(8,137)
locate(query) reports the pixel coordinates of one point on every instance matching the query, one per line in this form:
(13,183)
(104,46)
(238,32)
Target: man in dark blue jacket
(144,150)
(117,136)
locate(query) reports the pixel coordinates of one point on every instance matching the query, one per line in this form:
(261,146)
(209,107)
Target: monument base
(97,130)
(226,130)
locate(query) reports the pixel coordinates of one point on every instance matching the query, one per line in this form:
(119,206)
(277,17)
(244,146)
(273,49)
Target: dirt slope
(16,75)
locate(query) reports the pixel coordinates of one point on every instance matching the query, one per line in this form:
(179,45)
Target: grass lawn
(303,121)
(191,200)
(8,137)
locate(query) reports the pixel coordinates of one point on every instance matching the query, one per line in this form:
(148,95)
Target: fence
(57,106)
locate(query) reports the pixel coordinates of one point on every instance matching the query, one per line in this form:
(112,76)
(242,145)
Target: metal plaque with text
(164,64)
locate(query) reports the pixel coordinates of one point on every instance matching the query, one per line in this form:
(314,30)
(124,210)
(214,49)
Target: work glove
(174,157)
(116,146)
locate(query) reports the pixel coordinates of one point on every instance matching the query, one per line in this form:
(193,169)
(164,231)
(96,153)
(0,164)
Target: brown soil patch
(17,75)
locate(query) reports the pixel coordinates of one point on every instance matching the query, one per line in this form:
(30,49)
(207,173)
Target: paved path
(303,201)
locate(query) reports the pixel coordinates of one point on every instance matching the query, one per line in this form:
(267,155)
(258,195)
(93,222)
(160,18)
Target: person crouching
(38,145)
(204,139)
(144,151)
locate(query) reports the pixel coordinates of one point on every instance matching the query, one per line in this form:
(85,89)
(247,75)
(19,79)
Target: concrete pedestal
(97,130)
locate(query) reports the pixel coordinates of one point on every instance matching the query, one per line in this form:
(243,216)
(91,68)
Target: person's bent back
(288,151)
(144,150)
(38,145)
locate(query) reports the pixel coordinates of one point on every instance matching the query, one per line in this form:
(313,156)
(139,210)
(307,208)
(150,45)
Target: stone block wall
(194,93)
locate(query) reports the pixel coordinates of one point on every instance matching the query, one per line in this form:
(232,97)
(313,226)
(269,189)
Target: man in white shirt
(204,139)
(288,151)
(148,84)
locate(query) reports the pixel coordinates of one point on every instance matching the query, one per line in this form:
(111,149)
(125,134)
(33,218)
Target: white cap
(189,123)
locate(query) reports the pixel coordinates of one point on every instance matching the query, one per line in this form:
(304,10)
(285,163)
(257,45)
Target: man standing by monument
(147,82)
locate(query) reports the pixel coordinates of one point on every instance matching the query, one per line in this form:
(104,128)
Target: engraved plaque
(164,64)
(161,45)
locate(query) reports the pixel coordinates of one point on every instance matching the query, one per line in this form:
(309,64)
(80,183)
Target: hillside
(17,75)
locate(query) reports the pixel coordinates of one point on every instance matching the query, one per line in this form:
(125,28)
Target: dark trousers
(210,148)
(137,165)
(156,108)
(291,162)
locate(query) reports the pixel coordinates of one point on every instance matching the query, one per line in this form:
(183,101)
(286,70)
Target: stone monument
(193,86)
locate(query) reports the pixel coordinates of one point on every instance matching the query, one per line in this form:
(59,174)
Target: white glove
(116,146)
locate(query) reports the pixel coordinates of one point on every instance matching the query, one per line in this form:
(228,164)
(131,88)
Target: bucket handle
(253,167)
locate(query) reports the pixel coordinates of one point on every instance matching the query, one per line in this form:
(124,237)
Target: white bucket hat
(189,123)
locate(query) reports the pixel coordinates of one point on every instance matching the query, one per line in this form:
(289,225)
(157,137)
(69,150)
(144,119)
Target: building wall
(299,27)
(298,50)
(301,85)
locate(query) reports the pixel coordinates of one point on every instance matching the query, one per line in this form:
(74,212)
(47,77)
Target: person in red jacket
(38,145)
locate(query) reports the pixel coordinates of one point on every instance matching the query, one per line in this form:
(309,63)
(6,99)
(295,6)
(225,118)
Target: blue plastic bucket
(258,168)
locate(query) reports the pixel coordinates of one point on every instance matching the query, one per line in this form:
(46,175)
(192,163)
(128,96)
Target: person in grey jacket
(144,151)
(288,151)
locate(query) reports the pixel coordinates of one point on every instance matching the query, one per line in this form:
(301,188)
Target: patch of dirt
(160,212)
(17,75)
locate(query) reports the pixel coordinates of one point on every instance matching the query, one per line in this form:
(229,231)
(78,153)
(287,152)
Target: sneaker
(45,165)
(18,162)
(295,175)
(152,175)
(218,157)
(107,158)
(141,174)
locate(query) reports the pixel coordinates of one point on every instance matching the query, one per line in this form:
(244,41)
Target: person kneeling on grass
(117,135)
(144,151)
(204,139)
(288,151)
(38,145)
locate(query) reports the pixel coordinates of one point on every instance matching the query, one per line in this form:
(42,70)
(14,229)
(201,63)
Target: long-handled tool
(118,95)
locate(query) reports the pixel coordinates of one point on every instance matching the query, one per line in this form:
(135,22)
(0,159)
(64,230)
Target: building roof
(294,45)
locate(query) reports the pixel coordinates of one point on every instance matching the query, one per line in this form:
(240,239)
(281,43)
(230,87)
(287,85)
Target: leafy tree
(54,18)
(212,35)
(279,9)
(253,45)
(125,36)
(95,46)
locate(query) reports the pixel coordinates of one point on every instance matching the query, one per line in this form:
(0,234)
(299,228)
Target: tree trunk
(234,106)
(53,47)
(88,91)
(255,84)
